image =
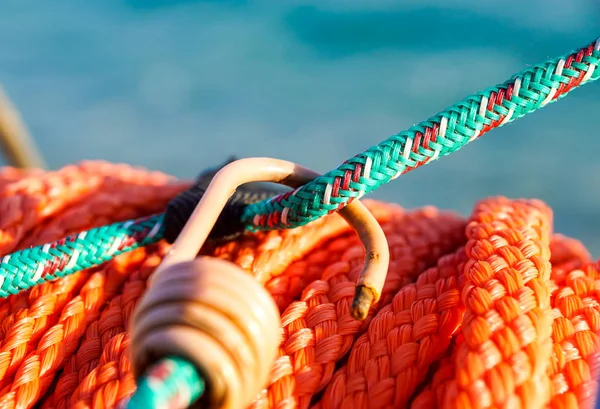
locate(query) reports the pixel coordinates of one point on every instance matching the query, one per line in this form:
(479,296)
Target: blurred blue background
(180,85)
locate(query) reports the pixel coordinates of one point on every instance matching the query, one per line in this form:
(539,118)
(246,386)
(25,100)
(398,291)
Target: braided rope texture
(29,267)
(474,312)
(438,136)
(425,142)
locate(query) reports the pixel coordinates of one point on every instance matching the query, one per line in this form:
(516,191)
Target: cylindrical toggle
(214,314)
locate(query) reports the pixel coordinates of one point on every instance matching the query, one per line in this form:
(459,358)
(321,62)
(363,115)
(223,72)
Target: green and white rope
(26,268)
(440,135)
(171,383)
(427,141)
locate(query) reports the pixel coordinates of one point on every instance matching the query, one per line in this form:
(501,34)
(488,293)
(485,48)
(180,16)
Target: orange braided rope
(493,300)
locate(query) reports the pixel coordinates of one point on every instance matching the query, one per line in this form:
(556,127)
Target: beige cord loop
(19,147)
(224,184)
(213,313)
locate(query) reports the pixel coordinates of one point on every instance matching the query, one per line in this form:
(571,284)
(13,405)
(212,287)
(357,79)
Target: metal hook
(229,178)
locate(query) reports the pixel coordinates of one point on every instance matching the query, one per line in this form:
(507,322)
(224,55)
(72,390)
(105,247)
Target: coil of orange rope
(206,333)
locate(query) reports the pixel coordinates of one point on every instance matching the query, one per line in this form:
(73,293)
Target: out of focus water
(180,85)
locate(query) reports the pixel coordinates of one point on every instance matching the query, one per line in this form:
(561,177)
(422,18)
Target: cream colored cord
(19,148)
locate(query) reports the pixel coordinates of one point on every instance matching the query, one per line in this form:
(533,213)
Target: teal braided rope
(438,136)
(172,383)
(25,268)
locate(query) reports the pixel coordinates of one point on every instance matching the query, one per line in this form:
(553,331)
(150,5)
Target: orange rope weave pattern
(493,311)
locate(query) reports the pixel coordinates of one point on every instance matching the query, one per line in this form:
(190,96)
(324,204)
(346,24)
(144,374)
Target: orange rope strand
(318,329)
(493,311)
(113,321)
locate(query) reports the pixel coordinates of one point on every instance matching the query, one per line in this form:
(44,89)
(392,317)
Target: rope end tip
(363,299)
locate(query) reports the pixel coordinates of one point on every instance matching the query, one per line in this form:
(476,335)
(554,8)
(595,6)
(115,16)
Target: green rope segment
(171,383)
(26,268)
(440,135)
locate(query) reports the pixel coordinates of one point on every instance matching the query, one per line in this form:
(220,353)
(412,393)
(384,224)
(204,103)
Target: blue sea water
(180,85)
